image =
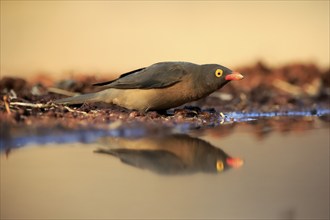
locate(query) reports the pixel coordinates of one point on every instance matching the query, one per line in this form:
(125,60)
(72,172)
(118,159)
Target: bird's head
(230,162)
(216,76)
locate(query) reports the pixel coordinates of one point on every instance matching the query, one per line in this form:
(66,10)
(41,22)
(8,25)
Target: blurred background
(103,37)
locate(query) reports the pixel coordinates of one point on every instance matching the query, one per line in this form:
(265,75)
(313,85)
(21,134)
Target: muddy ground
(294,87)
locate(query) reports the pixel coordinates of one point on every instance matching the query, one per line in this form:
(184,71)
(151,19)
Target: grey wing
(158,75)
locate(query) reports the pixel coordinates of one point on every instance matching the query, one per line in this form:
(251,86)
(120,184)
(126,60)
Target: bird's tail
(79,99)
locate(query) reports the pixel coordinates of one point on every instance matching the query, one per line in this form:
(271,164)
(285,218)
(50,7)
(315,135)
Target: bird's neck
(202,88)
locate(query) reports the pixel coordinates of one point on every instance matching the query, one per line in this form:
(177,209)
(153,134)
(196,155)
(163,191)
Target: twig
(222,118)
(5,99)
(12,94)
(62,91)
(287,87)
(47,105)
(36,105)
(72,110)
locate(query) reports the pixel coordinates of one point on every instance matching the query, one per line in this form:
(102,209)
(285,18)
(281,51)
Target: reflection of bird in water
(170,154)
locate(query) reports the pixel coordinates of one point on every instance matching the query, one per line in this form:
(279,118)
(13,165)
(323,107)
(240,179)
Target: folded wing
(158,75)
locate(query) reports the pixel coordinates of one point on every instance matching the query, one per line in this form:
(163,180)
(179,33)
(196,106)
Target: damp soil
(280,90)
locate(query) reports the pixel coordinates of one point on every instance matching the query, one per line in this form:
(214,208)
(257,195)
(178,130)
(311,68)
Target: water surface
(283,173)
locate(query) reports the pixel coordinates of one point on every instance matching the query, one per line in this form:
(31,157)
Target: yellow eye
(218,72)
(220,166)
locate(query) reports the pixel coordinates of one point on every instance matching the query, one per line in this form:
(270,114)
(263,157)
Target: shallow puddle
(276,168)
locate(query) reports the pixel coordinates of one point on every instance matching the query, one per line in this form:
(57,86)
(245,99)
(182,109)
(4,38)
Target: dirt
(294,87)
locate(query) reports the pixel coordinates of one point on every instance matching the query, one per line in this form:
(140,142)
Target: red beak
(234,162)
(234,76)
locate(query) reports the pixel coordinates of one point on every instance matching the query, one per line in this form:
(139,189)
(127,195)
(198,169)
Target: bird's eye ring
(219,165)
(218,72)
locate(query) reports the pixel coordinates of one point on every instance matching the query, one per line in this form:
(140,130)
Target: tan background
(110,36)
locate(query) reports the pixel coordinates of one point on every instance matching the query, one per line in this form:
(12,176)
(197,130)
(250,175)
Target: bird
(169,154)
(160,86)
